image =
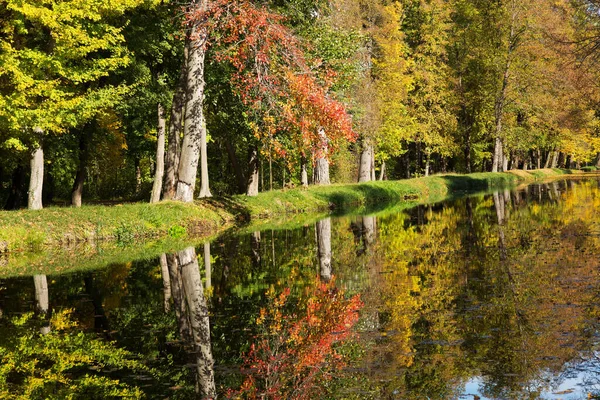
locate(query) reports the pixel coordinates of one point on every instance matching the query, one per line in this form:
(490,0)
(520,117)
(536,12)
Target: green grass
(344,198)
(27,230)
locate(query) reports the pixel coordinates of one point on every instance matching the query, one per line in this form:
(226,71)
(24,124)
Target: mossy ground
(27,230)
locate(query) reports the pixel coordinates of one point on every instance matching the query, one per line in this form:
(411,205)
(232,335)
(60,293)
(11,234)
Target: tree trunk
(164,270)
(497,160)
(207,265)
(427,163)
(504,162)
(555,157)
(194,133)
(160,155)
(373,177)
(36,181)
(304,173)
(366,161)
(561,159)
(77,191)
(179,298)
(321,170)
(418,158)
(253,179)
(204,184)
(548,160)
(138,176)
(199,322)
(41,293)
(41,299)
(321,174)
(323,229)
(598,161)
(467,151)
(175,128)
(382,172)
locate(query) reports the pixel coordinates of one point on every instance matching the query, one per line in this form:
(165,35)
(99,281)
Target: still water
(494,296)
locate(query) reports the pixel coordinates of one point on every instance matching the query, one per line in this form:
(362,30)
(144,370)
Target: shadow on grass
(229,204)
(468,183)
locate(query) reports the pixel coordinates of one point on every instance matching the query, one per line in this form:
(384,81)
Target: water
(495,296)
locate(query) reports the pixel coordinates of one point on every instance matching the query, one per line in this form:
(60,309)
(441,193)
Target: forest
(149,100)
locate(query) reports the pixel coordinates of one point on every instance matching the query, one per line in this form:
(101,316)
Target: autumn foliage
(287,93)
(293,353)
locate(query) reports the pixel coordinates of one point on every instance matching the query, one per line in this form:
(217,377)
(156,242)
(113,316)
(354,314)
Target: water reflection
(493,296)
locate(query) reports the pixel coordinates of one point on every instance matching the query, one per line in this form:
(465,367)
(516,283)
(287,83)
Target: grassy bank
(37,230)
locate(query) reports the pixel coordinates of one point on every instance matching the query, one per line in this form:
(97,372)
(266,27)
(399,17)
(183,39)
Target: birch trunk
(549,159)
(199,322)
(382,173)
(323,229)
(253,178)
(160,155)
(304,173)
(366,161)
(321,173)
(555,157)
(36,181)
(175,130)
(194,132)
(204,184)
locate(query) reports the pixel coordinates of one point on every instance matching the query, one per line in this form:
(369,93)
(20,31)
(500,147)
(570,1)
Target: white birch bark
(36,180)
(160,155)
(252,189)
(194,132)
(366,161)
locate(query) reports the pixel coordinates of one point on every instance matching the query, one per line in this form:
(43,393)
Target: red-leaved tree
(290,102)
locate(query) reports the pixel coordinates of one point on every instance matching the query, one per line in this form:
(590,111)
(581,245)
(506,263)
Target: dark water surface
(495,296)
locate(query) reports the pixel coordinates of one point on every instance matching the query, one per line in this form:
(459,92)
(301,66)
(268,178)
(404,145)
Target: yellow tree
(54,60)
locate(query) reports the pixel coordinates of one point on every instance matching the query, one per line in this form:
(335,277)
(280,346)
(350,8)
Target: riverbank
(27,230)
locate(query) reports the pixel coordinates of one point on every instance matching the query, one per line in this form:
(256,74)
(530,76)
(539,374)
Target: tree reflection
(323,229)
(193,318)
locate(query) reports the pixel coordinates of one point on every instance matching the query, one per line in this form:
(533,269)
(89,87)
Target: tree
(54,59)
(272,76)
